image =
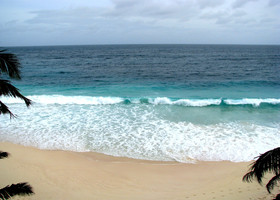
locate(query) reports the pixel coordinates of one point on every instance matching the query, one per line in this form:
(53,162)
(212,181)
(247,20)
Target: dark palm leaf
(3,154)
(9,64)
(270,185)
(7,89)
(266,162)
(15,189)
(5,110)
(249,176)
(277,197)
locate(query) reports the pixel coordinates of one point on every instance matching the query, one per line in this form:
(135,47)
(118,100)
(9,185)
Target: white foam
(185,102)
(90,100)
(160,100)
(135,131)
(254,102)
(60,99)
(197,102)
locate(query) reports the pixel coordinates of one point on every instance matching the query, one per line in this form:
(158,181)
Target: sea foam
(140,131)
(91,100)
(254,102)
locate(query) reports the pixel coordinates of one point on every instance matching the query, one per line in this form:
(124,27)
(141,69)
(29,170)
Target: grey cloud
(86,20)
(146,11)
(79,15)
(268,20)
(274,2)
(224,20)
(153,9)
(127,10)
(240,3)
(147,21)
(223,16)
(127,3)
(213,15)
(208,3)
(239,13)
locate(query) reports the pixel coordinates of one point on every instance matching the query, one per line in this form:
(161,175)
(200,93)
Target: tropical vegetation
(268,162)
(10,65)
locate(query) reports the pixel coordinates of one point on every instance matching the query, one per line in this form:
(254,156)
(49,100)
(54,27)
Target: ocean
(182,103)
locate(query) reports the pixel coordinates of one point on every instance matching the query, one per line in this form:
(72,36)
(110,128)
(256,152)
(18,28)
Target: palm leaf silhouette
(277,197)
(8,89)
(270,185)
(3,154)
(15,189)
(10,65)
(266,162)
(5,110)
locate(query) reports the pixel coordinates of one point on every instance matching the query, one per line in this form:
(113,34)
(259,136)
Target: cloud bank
(29,22)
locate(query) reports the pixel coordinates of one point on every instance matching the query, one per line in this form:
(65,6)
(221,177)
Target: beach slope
(72,175)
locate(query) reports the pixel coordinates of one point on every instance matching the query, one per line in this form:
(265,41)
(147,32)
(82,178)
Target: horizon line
(130,44)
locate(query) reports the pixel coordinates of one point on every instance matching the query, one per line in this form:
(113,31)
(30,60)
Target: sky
(86,22)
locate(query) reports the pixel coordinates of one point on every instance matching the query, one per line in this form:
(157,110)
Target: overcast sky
(70,22)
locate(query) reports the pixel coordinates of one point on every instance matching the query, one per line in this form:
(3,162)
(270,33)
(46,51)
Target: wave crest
(90,100)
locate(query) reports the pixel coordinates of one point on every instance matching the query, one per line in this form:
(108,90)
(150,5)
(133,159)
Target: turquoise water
(154,102)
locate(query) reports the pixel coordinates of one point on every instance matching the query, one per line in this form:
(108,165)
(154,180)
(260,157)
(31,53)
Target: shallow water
(154,102)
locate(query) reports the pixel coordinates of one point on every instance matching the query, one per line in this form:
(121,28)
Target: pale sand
(70,175)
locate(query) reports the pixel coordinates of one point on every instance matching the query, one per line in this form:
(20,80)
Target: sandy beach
(72,175)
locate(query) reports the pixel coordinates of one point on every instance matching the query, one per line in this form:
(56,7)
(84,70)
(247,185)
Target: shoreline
(56,174)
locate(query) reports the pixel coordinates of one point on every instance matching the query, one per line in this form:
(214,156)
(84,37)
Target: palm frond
(270,185)
(3,154)
(5,110)
(9,64)
(249,177)
(277,197)
(266,162)
(269,161)
(15,189)
(7,89)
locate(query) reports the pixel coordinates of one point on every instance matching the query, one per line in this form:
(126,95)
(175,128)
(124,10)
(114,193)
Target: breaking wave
(90,100)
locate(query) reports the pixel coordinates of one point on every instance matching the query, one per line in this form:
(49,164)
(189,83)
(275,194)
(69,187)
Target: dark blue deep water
(156,102)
